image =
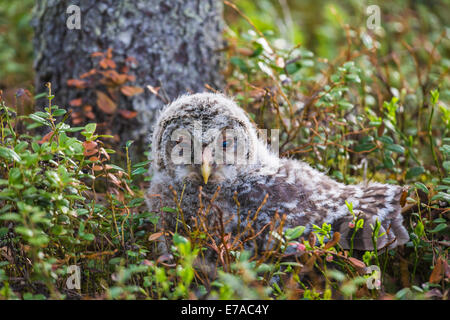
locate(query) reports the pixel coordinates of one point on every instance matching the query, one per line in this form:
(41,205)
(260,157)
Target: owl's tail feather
(382,203)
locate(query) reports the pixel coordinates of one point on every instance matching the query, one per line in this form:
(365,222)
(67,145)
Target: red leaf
(76,102)
(76,83)
(90,148)
(88,153)
(155,236)
(357,263)
(105,103)
(46,138)
(97,54)
(131,91)
(111,63)
(127,114)
(88,74)
(88,145)
(438,271)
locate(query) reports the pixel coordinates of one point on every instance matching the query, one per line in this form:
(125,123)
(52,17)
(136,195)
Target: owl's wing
(308,197)
(375,202)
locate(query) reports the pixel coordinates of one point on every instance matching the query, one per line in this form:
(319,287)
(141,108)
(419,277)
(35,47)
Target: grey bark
(175,42)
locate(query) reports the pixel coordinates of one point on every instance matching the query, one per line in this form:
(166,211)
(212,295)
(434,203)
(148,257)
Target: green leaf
(138,171)
(353,78)
(177,239)
(240,63)
(113,166)
(294,233)
(293,68)
(446,165)
(441,196)
(414,172)
(90,127)
(419,229)
(439,227)
(395,148)
(345,105)
(59,112)
(39,119)
(434,96)
(141,164)
(9,154)
(364,147)
(129,143)
(386,139)
(421,186)
(87,236)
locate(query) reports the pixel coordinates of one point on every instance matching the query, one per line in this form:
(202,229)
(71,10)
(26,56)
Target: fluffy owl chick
(205,140)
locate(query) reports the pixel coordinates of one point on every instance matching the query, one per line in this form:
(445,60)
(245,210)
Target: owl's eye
(227,143)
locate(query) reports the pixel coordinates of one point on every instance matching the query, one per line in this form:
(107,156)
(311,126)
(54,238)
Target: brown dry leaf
(131,91)
(245,51)
(165,257)
(356,263)
(90,152)
(103,151)
(438,271)
(76,102)
(103,63)
(127,114)
(45,138)
(97,54)
(155,236)
(312,239)
(127,187)
(76,121)
(404,273)
(118,78)
(76,83)
(109,53)
(403,198)
(90,115)
(334,241)
(89,145)
(105,103)
(114,179)
(381,129)
(88,74)
(97,168)
(147,263)
(111,63)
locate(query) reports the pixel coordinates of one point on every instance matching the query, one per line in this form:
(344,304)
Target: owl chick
(207,157)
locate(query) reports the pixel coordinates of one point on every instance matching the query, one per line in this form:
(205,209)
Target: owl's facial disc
(210,158)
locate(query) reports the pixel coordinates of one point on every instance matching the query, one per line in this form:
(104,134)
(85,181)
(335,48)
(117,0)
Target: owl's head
(205,138)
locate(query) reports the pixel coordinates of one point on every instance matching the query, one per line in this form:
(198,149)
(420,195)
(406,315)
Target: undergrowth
(377,112)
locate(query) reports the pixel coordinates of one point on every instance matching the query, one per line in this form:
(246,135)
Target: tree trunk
(176,44)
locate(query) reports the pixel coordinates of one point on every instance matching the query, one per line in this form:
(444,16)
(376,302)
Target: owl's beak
(206,164)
